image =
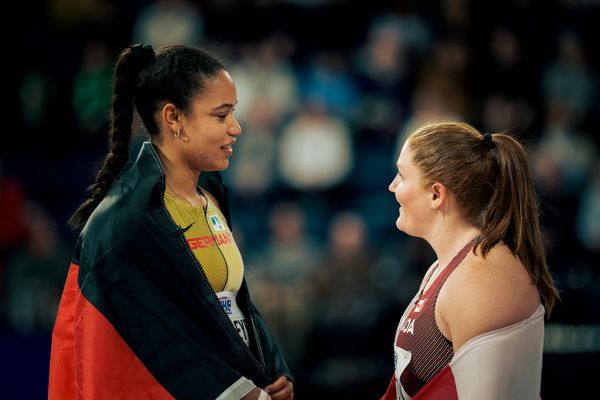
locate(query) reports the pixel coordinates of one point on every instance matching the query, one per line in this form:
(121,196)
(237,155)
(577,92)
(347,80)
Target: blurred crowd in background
(327,92)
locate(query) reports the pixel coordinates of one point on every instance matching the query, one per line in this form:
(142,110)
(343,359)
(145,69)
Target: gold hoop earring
(177,135)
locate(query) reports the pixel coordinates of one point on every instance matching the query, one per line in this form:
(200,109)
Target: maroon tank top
(418,332)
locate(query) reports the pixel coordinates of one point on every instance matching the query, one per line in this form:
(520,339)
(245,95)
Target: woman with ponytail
(475,328)
(156,305)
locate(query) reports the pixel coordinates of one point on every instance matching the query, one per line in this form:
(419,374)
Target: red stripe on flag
(62,377)
(89,359)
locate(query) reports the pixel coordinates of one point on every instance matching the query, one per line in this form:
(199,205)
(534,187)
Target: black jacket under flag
(138,318)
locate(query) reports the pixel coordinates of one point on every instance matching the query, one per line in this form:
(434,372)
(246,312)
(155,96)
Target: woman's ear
(170,117)
(438,195)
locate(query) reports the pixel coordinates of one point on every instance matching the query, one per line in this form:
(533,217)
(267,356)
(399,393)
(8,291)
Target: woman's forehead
(218,91)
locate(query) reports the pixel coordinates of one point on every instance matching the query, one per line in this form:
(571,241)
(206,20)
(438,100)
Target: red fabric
(441,387)
(89,359)
(390,393)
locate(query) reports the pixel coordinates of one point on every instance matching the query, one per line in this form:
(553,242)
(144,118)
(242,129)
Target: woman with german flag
(156,305)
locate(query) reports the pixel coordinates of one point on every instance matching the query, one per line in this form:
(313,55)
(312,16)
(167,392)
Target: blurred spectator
(501,113)
(504,71)
(287,262)
(387,60)
(92,90)
(330,82)
(442,92)
(588,216)
(290,253)
(78,16)
(164,22)
(266,80)
(428,105)
(447,74)
(386,66)
(34,97)
(455,14)
(567,79)
(36,275)
(555,207)
(252,170)
(12,205)
(573,151)
(347,312)
(315,150)
(12,224)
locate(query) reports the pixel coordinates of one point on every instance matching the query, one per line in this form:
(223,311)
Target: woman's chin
(217,166)
(399,224)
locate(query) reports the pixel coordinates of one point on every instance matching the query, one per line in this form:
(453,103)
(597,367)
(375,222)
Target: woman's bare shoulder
(486,293)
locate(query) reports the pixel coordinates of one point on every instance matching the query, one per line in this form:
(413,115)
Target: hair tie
(142,51)
(489,142)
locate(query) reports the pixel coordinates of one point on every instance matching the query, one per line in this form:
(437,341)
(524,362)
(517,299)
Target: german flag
(138,319)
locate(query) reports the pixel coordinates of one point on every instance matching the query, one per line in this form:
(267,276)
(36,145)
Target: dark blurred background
(327,91)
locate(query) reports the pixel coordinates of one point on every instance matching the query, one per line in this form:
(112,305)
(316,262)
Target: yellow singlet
(210,240)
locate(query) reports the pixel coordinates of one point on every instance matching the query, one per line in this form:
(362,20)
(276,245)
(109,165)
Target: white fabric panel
(504,364)
(239,389)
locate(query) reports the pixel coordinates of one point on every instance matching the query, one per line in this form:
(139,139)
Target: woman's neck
(450,237)
(180,180)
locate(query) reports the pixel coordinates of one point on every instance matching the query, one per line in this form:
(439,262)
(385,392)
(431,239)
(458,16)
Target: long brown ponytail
(513,215)
(490,178)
